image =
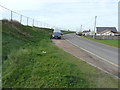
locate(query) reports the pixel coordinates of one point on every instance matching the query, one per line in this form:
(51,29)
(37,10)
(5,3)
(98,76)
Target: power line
(27,18)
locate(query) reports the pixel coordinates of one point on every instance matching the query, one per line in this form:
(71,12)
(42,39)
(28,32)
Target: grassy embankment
(24,64)
(66,32)
(113,43)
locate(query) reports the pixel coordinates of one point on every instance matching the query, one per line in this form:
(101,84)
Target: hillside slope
(16,36)
(31,60)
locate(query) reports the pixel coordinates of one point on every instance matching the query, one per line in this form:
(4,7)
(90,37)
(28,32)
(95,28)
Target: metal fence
(6,13)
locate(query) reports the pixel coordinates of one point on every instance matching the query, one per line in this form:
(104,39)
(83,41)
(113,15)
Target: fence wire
(6,13)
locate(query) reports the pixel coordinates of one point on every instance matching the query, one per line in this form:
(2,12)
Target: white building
(106,31)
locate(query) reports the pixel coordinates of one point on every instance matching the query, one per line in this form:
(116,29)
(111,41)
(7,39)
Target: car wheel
(59,38)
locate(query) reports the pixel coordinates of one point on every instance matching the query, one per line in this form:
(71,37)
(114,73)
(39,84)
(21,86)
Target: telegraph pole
(11,16)
(95,25)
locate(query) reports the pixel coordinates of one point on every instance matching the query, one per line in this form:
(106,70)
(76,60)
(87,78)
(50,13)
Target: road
(101,52)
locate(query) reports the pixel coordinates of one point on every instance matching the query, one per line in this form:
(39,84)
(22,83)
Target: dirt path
(77,52)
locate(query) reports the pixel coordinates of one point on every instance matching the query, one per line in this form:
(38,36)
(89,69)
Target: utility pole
(11,15)
(95,25)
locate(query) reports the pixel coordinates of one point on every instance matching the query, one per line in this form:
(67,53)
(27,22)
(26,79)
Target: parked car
(61,33)
(78,33)
(56,35)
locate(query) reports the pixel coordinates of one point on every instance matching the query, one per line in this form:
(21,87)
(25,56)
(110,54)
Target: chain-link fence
(25,20)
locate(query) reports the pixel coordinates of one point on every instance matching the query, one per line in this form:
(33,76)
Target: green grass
(25,66)
(66,32)
(113,43)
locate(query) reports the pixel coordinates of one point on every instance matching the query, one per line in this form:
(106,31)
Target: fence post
(27,21)
(33,22)
(20,18)
(11,15)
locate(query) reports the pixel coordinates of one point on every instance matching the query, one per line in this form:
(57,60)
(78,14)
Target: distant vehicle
(56,35)
(57,30)
(78,33)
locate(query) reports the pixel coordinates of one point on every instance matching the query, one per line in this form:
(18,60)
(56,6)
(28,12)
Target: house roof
(101,29)
(104,31)
(107,31)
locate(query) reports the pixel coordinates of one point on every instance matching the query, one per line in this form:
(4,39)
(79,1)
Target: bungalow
(107,31)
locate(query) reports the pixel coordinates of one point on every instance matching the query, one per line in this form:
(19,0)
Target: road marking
(94,54)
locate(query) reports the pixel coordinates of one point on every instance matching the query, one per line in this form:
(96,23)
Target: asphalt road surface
(105,53)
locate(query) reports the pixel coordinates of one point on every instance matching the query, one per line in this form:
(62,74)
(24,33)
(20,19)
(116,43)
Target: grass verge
(66,32)
(31,60)
(113,43)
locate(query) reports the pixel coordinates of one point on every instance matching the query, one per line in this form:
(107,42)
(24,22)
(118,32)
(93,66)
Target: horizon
(69,15)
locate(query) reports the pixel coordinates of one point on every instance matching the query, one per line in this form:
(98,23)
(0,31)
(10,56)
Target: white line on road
(94,54)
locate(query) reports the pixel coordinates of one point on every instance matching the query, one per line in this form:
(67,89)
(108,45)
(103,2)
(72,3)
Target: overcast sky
(69,14)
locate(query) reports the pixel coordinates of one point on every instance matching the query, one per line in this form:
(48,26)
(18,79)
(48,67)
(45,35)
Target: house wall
(108,34)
